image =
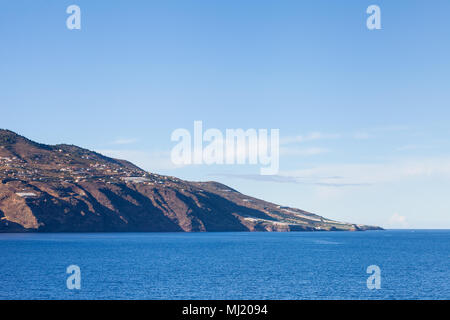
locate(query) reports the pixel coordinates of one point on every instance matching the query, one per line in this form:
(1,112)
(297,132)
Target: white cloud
(410,147)
(122,141)
(360,174)
(302,151)
(397,221)
(390,128)
(369,133)
(362,135)
(313,180)
(312,136)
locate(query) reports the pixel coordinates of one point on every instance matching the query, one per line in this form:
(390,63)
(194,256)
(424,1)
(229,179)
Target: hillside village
(28,166)
(17,169)
(66,167)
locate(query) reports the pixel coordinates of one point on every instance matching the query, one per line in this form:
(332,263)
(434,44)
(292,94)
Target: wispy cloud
(257,177)
(374,173)
(362,135)
(391,128)
(123,141)
(373,132)
(312,136)
(317,181)
(152,161)
(410,147)
(285,151)
(359,175)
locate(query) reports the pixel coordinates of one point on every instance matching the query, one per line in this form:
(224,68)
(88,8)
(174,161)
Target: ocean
(412,264)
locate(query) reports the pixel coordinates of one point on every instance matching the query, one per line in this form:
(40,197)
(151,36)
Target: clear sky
(363,114)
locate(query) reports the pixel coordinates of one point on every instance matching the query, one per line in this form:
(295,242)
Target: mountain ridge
(65,188)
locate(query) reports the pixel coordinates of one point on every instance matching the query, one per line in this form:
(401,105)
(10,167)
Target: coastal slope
(64,188)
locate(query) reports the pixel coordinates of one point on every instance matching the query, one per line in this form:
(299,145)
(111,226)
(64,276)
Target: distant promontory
(64,188)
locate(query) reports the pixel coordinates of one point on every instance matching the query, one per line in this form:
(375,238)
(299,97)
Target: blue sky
(363,115)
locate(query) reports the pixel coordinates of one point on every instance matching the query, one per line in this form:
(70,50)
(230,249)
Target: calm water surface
(300,265)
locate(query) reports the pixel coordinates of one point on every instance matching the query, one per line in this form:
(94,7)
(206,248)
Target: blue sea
(413,264)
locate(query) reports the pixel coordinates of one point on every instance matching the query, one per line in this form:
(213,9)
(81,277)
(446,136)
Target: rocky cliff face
(65,188)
